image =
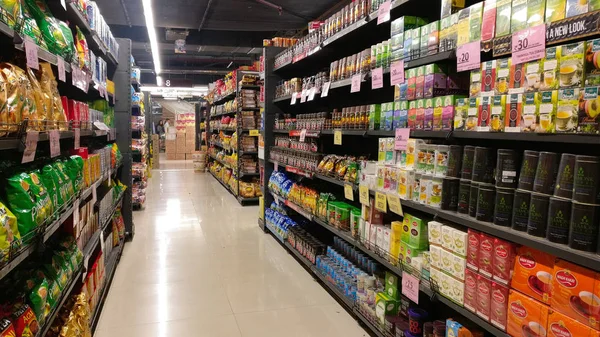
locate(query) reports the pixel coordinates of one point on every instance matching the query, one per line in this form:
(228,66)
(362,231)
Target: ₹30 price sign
(468,56)
(529,44)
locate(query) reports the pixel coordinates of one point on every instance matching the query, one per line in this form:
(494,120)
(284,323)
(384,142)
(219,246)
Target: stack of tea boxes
(181,143)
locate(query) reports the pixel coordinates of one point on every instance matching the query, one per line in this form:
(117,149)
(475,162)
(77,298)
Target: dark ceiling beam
(281,9)
(125,12)
(205,15)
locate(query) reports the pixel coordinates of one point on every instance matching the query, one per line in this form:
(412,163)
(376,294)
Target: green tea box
(555,10)
(374,116)
(592,62)
(416,43)
(444,33)
(589,108)
(430,118)
(502,76)
(460,113)
(576,7)
(550,68)
(384,306)
(571,65)
(498,113)
(463,28)
(418,233)
(391,285)
(448,111)
(407,44)
(530,112)
(452,40)
(593,5)
(533,71)
(535,12)
(518,19)
(503,17)
(547,112)
(412,114)
(475,19)
(472,114)
(475,83)
(514,110)
(567,110)
(424,40)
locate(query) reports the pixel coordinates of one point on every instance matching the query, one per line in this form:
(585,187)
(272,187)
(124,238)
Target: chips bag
(24,320)
(47,176)
(41,102)
(6,328)
(9,233)
(58,118)
(15,98)
(60,169)
(10,13)
(38,296)
(52,31)
(30,28)
(83,54)
(4,127)
(22,203)
(43,201)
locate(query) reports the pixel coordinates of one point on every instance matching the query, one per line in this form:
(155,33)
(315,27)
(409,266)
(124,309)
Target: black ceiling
(230,29)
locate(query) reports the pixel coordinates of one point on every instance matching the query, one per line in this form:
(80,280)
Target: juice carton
(460,113)
(403,116)
(576,7)
(429,115)
(589,106)
(548,108)
(484,297)
(555,10)
(475,83)
(486,255)
(488,24)
(571,68)
(531,112)
(498,113)
(488,78)
(483,120)
(412,115)
(533,71)
(498,305)
(516,85)
(567,110)
(503,17)
(472,114)
(435,81)
(463,27)
(550,68)
(525,316)
(514,108)
(434,38)
(504,255)
(420,82)
(519,15)
(418,233)
(470,299)
(475,18)
(412,84)
(502,76)
(533,273)
(561,325)
(535,12)
(576,293)
(474,239)
(448,111)
(592,62)
(438,107)
(420,121)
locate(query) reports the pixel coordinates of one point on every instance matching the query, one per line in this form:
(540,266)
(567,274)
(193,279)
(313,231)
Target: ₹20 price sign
(468,56)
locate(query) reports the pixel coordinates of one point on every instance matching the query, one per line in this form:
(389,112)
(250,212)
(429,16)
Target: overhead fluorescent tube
(230,63)
(149,15)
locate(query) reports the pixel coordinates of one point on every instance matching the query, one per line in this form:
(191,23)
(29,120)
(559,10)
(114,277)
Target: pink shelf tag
(383,15)
(410,287)
(377,78)
(397,72)
(468,56)
(60,63)
(402,136)
(31,53)
(356,79)
(529,44)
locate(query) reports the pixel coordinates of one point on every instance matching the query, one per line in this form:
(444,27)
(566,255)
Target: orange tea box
(532,273)
(560,325)
(526,316)
(576,293)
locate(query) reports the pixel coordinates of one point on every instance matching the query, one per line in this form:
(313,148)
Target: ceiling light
(230,63)
(170,98)
(152,34)
(159,81)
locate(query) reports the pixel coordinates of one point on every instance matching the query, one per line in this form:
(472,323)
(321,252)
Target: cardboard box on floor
(171,156)
(180,156)
(188,156)
(171,146)
(190,129)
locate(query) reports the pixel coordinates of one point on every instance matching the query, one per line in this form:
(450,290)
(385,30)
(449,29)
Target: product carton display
(484,293)
(470,298)
(535,12)
(533,72)
(502,76)
(486,255)
(385,305)
(472,114)
(504,254)
(475,18)
(460,242)
(592,62)
(571,71)
(551,68)
(474,239)
(555,10)
(434,233)
(483,118)
(460,113)
(576,7)
(498,113)
(526,316)
(518,15)
(516,84)
(488,24)
(503,17)
(567,110)
(488,78)
(463,28)
(532,273)
(548,109)
(589,111)
(531,111)
(498,305)
(447,239)
(514,109)
(560,325)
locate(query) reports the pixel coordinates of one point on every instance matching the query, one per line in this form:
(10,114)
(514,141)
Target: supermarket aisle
(200,266)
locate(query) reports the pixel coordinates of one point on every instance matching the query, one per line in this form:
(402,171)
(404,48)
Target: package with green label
(460,113)
(535,12)
(498,113)
(530,112)
(547,111)
(22,203)
(444,33)
(593,5)
(518,19)
(420,82)
(475,18)
(463,28)
(391,285)
(514,109)
(502,76)
(424,40)
(589,111)
(567,110)
(592,62)
(412,85)
(403,123)
(533,71)
(475,83)
(451,6)
(438,108)
(418,233)
(374,115)
(452,40)
(576,7)
(434,38)
(571,66)
(415,47)
(412,114)
(550,68)
(429,115)
(47,176)
(472,114)
(385,306)
(503,17)
(407,44)
(420,121)
(555,10)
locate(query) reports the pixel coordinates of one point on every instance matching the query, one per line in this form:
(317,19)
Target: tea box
(433,107)
(409,252)
(463,27)
(504,254)
(470,298)
(488,78)
(447,261)
(516,84)
(571,66)
(457,291)
(459,264)
(412,84)
(488,21)
(452,39)
(533,273)
(535,12)
(405,233)
(498,113)
(385,305)
(475,18)
(416,43)
(435,81)
(593,5)
(434,232)
(420,111)
(472,114)
(444,33)
(532,75)
(525,316)
(483,120)
(555,10)
(412,114)
(576,292)
(449,102)
(518,15)
(374,116)
(589,108)
(548,109)
(404,23)
(449,6)
(514,106)
(531,110)
(407,44)
(435,276)
(420,82)
(486,255)
(396,115)
(473,243)
(434,38)
(460,113)
(502,76)
(424,40)
(403,114)
(475,83)
(435,253)
(484,297)
(391,285)
(503,17)
(402,91)
(576,7)
(566,112)
(460,242)
(592,62)
(498,305)
(447,240)
(561,325)
(418,233)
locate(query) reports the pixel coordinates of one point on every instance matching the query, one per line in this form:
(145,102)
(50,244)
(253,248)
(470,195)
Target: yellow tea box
(502,76)
(460,113)
(472,114)
(498,113)
(571,64)
(463,28)
(531,111)
(576,7)
(593,5)
(547,114)
(503,11)
(592,62)
(535,12)
(589,108)
(518,19)
(475,83)
(567,110)
(550,68)
(555,10)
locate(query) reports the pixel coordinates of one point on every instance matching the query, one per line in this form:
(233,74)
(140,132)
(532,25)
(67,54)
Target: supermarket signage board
(529,44)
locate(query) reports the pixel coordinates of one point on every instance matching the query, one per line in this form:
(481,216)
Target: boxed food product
(411,80)
(589,108)
(532,75)
(535,12)
(488,24)
(525,316)
(431,118)
(576,7)
(518,15)
(449,6)
(412,115)
(514,106)
(420,114)
(473,243)
(434,38)
(571,68)
(533,273)
(415,51)
(550,71)
(434,232)
(502,76)
(555,10)
(460,113)
(395,238)
(483,120)
(498,305)
(531,111)
(486,255)
(472,114)
(475,18)
(470,298)
(476,85)
(385,305)
(516,84)
(566,113)
(504,255)
(419,82)
(592,62)
(488,78)
(498,113)
(547,110)
(561,325)
(484,293)
(460,239)
(463,27)
(403,123)
(503,17)
(576,292)
(418,233)
(435,81)
(391,285)
(447,240)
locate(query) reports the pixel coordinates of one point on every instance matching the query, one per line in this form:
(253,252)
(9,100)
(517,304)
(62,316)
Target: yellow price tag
(254,133)
(349,192)
(363,193)
(394,203)
(337,137)
(381,202)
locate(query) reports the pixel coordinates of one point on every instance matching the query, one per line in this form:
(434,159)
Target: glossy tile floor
(199,265)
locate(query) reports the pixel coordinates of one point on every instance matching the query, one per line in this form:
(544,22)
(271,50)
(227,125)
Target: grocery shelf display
(140,144)
(426,190)
(65,159)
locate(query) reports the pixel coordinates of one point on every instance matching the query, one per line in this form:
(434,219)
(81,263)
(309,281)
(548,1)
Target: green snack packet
(61,171)
(38,295)
(53,294)
(9,233)
(43,201)
(22,203)
(48,181)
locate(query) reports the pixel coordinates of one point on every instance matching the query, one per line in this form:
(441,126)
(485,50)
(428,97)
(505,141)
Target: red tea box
(473,250)
(486,255)
(504,255)
(485,109)
(470,301)
(488,78)
(484,293)
(498,305)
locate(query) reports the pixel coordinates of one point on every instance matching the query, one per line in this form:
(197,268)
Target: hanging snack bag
(11,13)
(30,28)
(51,29)
(49,86)
(41,102)
(9,233)
(83,53)
(48,181)
(24,320)
(43,201)
(38,295)
(61,171)
(14,97)
(22,203)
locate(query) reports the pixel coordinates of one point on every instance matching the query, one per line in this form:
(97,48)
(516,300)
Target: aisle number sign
(337,137)
(349,192)
(363,194)
(394,204)
(381,202)
(468,56)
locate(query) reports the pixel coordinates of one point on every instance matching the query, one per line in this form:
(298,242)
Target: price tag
(303,96)
(302,135)
(54,137)
(348,192)
(356,79)
(381,202)
(62,2)
(337,137)
(30,146)
(363,194)
(94,195)
(325,89)
(276,166)
(401,139)
(76,214)
(529,44)
(293,101)
(254,133)
(102,241)
(410,287)
(77,132)
(377,78)
(394,204)
(60,63)
(383,15)
(311,93)
(468,56)
(31,53)
(397,72)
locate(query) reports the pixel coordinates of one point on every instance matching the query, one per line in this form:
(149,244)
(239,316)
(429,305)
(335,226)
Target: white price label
(77,136)
(302,135)
(62,2)
(325,89)
(76,214)
(311,93)
(356,79)
(54,137)
(31,52)
(30,146)
(293,101)
(60,63)
(303,96)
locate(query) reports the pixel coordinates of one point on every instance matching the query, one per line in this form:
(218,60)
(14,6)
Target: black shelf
(223,114)
(225,98)
(472,317)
